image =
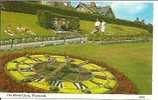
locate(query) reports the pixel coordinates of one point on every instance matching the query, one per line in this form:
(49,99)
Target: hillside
(26,20)
(114,29)
(31,22)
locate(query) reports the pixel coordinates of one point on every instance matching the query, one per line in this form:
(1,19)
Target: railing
(20,43)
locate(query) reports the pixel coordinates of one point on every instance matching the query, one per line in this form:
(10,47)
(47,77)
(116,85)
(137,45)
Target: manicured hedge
(32,8)
(46,19)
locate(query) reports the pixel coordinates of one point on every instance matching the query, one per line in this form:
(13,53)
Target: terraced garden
(85,26)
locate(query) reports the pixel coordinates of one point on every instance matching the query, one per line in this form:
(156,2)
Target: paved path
(40,44)
(56,42)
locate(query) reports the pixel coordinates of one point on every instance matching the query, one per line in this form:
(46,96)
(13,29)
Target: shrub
(44,19)
(47,18)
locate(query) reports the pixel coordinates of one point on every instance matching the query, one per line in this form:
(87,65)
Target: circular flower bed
(10,84)
(61,74)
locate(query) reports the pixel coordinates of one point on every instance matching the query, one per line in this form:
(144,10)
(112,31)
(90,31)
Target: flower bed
(121,85)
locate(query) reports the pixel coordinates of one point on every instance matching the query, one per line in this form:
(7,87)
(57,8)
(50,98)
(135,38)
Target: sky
(128,11)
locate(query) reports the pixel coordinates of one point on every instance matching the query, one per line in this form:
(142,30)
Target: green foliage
(74,24)
(32,8)
(46,19)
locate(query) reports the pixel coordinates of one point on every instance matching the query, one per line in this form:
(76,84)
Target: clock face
(61,74)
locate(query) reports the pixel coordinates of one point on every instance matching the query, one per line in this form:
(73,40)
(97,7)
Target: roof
(81,4)
(86,6)
(101,10)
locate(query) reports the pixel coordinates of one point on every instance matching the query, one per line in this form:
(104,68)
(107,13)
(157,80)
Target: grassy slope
(31,22)
(133,59)
(26,20)
(88,26)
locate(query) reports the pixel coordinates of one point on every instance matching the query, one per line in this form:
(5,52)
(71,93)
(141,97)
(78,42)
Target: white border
(155,52)
(72,96)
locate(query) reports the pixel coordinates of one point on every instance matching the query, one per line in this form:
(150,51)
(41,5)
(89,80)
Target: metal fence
(31,42)
(20,43)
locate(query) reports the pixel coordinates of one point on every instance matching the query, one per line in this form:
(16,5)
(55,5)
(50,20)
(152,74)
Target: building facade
(93,9)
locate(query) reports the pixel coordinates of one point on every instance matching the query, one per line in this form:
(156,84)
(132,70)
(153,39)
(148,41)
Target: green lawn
(133,59)
(26,20)
(88,26)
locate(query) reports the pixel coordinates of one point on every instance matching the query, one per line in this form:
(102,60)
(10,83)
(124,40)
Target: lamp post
(12,41)
(11,34)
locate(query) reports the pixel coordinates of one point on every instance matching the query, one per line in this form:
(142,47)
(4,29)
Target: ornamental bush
(44,19)
(47,19)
